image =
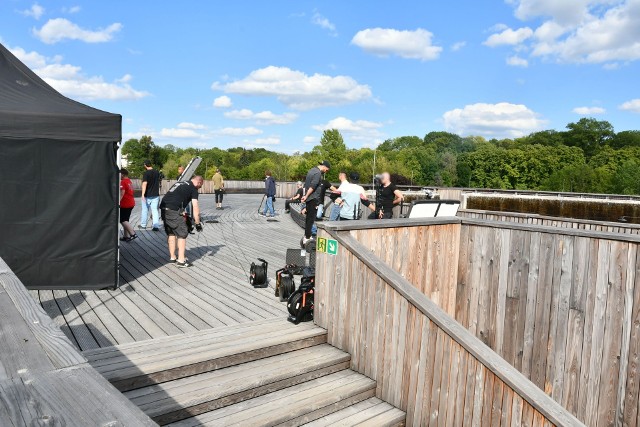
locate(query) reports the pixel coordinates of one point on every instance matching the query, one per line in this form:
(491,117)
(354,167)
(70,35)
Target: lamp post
(373,176)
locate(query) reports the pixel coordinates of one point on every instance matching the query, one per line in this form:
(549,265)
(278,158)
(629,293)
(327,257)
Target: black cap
(354,176)
(325,163)
(147,163)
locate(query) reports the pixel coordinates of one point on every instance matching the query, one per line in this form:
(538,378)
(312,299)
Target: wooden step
(370,412)
(187,397)
(292,406)
(141,364)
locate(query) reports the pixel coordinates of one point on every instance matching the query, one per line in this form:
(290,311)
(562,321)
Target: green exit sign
(327,246)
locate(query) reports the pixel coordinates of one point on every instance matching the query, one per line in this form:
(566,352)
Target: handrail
(552,410)
(395,223)
(549,218)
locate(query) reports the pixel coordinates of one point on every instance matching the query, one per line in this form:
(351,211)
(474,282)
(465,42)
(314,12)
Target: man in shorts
(173,208)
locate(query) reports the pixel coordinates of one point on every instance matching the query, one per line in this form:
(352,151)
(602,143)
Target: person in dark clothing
(389,197)
(150,196)
(311,197)
(296,198)
(270,193)
(173,208)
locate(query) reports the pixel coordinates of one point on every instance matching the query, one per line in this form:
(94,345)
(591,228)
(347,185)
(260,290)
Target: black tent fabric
(58,184)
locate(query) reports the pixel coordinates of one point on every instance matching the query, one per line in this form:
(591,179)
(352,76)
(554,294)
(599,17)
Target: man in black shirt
(389,197)
(150,196)
(312,197)
(173,208)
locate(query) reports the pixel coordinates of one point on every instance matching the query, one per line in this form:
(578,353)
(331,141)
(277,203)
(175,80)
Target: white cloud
(358,130)
(589,111)
(493,120)
(310,140)
(59,29)
(509,37)
(229,131)
(222,102)
(179,133)
(322,22)
(633,105)
(457,46)
(564,11)
(35,11)
(415,44)
(263,117)
(582,31)
(188,125)
(71,81)
(72,9)
(272,140)
(297,89)
(516,61)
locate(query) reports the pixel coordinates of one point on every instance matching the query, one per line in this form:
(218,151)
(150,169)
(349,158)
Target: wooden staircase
(260,374)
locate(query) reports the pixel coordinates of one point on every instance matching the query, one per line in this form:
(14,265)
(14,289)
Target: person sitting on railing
(348,197)
(388,197)
(296,198)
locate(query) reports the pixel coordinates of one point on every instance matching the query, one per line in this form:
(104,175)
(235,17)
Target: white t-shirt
(350,194)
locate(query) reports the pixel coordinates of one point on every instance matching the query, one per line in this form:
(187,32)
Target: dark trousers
(312,212)
(219,194)
(388,214)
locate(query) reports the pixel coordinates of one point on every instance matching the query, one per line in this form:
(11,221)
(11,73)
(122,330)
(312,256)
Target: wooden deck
(157,299)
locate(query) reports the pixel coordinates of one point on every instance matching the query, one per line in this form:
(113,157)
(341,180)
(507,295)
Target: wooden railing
(283,189)
(561,305)
(551,221)
(44,380)
(424,361)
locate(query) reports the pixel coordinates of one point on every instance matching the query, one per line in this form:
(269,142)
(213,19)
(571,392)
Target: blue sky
(275,74)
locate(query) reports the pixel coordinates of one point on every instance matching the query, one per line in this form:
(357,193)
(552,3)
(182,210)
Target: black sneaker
(184,264)
(134,237)
(155,229)
(172,261)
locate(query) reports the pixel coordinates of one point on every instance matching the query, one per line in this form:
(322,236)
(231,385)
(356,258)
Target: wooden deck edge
(56,393)
(54,342)
(536,397)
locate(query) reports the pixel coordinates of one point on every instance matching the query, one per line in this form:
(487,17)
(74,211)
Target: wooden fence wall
(561,305)
(423,361)
(283,189)
(533,219)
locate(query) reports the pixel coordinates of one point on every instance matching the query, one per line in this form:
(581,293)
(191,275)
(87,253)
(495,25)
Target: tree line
(589,156)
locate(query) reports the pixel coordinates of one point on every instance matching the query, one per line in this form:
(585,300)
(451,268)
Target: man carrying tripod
(176,221)
(312,197)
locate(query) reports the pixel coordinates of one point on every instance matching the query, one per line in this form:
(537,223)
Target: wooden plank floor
(158,299)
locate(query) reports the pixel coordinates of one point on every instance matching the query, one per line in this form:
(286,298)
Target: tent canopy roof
(30,108)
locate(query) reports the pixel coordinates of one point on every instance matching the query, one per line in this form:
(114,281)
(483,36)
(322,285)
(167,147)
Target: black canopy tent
(58,184)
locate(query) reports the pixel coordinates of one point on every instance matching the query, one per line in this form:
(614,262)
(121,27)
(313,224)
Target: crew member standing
(218,188)
(270,194)
(389,197)
(173,208)
(312,197)
(127,202)
(150,196)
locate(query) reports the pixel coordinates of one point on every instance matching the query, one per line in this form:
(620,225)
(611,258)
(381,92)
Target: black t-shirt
(387,197)
(179,195)
(299,193)
(152,178)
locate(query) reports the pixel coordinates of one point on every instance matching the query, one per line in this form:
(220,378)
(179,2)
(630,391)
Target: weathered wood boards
(43,378)
(424,362)
(560,304)
(570,308)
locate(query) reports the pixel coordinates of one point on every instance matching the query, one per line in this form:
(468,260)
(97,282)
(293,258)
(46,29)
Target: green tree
(139,150)
(589,134)
(333,149)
